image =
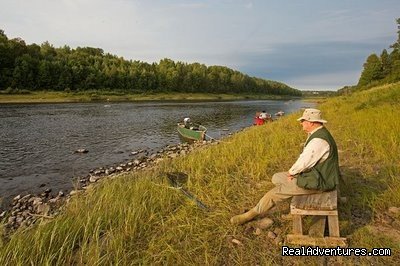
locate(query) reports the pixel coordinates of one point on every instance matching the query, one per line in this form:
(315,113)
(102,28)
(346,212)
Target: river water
(37,141)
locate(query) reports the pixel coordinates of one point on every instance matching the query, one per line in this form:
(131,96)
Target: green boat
(193,133)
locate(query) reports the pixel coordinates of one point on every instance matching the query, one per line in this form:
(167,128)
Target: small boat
(193,133)
(258,121)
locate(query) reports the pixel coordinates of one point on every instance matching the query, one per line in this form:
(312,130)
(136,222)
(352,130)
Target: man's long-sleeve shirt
(316,150)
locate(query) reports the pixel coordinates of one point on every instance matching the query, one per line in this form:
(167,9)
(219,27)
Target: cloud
(249,5)
(324,81)
(192,5)
(288,62)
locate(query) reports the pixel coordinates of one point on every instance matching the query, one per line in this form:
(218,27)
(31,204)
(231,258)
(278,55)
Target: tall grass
(138,218)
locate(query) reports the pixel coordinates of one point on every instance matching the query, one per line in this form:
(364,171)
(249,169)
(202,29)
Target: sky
(306,44)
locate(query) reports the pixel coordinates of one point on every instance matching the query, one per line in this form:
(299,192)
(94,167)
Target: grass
(138,218)
(118,96)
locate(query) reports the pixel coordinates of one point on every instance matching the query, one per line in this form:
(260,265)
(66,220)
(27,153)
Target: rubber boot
(245,217)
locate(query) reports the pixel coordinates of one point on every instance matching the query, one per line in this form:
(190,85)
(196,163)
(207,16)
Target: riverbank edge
(24,211)
(110,96)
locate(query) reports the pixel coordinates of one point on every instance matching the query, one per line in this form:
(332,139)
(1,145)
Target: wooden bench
(320,206)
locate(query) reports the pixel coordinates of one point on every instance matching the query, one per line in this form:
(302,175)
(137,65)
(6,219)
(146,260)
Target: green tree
(25,72)
(396,45)
(372,70)
(386,63)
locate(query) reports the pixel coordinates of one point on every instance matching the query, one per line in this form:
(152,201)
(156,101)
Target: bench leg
(317,227)
(297,225)
(333,222)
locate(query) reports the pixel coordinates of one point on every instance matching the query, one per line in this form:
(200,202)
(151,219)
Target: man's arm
(315,150)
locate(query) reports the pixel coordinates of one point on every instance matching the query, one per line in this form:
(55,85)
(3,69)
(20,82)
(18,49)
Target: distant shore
(115,96)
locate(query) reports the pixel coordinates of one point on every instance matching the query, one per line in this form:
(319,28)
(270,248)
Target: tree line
(380,69)
(44,67)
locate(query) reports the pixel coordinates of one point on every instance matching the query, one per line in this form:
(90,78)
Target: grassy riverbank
(139,219)
(116,96)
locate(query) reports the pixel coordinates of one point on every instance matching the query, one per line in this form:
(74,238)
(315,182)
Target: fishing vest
(324,175)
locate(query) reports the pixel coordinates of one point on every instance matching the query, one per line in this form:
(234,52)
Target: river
(38,141)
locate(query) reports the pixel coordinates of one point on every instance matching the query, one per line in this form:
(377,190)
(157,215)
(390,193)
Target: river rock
(97,172)
(258,232)
(11,219)
(35,201)
(81,150)
(394,210)
(43,209)
(16,198)
(264,223)
(26,197)
(73,192)
(271,235)
(93,179)
(278,231)
(19,219)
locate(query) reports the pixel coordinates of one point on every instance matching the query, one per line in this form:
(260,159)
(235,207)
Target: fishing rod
(176,179)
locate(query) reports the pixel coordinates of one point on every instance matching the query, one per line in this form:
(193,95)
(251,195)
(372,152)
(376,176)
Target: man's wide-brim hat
(312,115)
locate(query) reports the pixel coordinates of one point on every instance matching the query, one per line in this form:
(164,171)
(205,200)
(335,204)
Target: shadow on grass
(356,211)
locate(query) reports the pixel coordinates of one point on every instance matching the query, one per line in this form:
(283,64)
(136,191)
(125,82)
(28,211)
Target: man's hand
(290,177)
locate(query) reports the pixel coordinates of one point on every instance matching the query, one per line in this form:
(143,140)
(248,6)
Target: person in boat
(258,121)
(316,170)
(188,124)
(265,116)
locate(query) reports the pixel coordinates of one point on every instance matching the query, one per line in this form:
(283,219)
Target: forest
(43,67)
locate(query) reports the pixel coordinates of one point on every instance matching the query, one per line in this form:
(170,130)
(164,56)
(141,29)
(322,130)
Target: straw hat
(312,115)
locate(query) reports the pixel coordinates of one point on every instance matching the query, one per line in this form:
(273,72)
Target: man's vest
(324,175)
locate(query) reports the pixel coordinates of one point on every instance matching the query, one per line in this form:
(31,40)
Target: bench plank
(302,240)
(333,222)
(312,212)
(326,201)
(297,225)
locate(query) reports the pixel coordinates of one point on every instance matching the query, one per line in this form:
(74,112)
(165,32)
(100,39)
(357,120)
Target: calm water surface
(37,141)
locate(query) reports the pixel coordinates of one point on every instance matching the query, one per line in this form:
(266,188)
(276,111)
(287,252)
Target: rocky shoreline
(27,210)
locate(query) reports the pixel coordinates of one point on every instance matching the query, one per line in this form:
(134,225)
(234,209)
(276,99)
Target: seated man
(186,122)
(316,170)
